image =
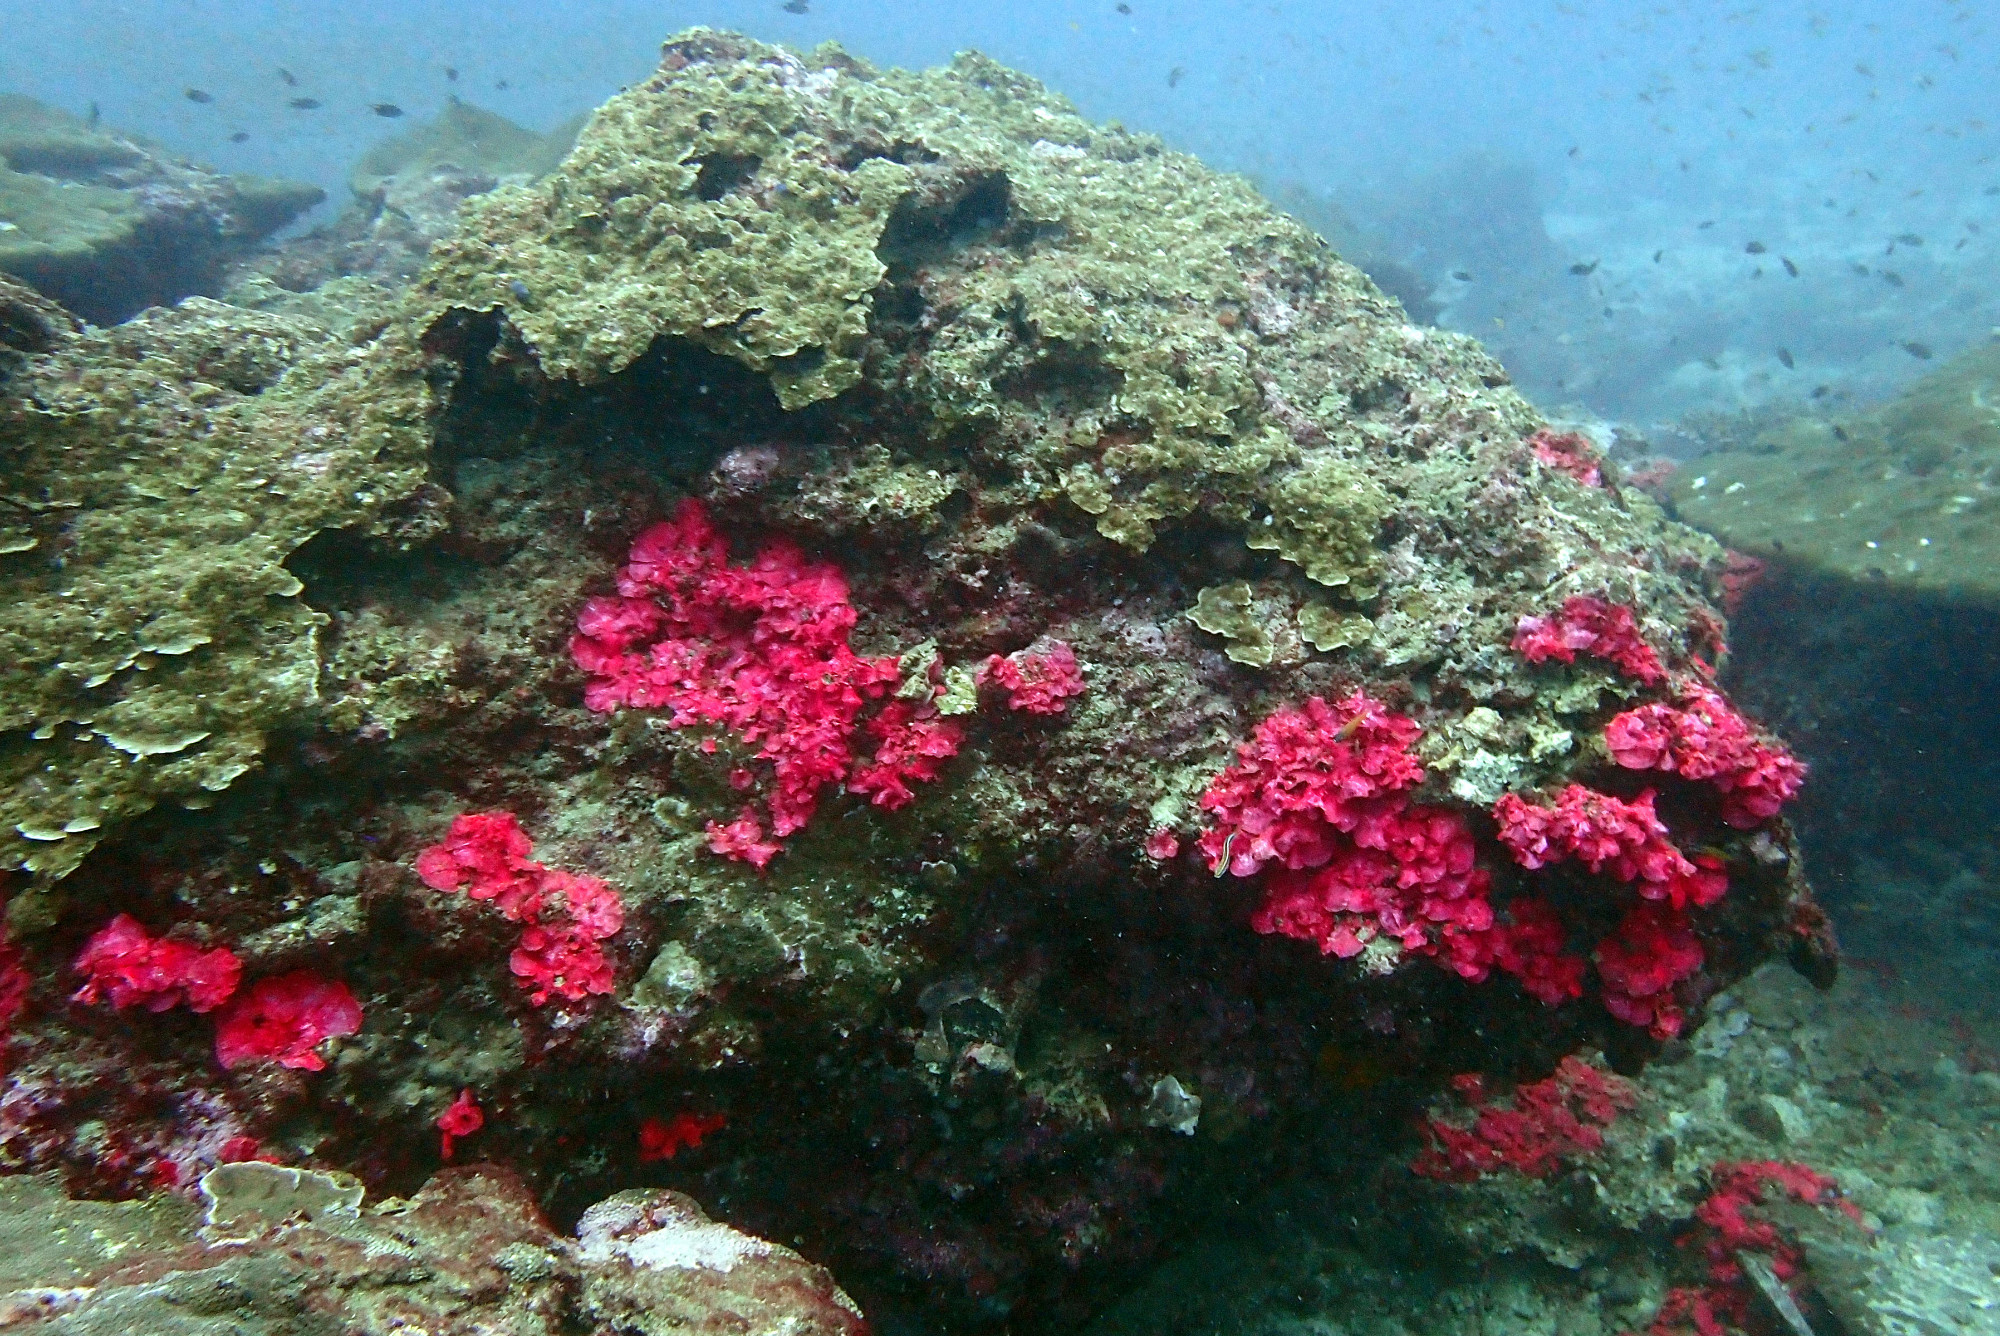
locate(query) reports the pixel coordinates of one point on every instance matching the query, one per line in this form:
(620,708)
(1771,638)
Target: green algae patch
(1325,518)
(702,204)
(159,475)
(1906,495)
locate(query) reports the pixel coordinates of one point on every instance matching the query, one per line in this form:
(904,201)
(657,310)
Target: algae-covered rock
(997,393)
(159,475)
(469,1252)
(1906,495)
(107,224)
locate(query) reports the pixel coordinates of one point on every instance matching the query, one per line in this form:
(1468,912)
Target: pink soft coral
(1704,738)
(1650,951)
(1552,1121)
(1040,679)
(1322,791)
(1569,452)
(566,918)
(1307,777)
(1731,1224)
(1531,946)
(460,1120)
(286,1019)
(761,651)
(127,966)
(1607,834)
(1591,626)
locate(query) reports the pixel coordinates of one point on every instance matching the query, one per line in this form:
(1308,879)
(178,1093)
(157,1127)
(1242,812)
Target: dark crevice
(721,173)
(925,228)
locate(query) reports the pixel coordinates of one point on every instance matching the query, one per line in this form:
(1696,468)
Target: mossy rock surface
(160,474)
(1906,496)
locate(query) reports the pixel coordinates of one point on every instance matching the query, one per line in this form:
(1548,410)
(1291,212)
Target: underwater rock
(108,224)
(468,1252)
(928,371)
(406,195)
(159,474)
(1899,498)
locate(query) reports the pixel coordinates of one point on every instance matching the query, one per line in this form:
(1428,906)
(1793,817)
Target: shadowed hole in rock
(723,172)
(1061,374)
(924,229)
(676,409)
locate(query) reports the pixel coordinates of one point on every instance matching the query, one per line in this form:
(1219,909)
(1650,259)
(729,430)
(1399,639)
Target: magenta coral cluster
(1650,951)
(285,1019)
(1587,625)
(1040,679)
(1551,1121)
(1569,452)
(759,650)
(1703,738)
(1323,792)
(1607,834)
(565,918)
(124,964)
(1319,799)
(1730,1224)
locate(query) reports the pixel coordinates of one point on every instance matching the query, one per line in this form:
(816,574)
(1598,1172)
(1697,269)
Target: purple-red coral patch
(128,967)
(760,651)
(286,1019)
(565,918)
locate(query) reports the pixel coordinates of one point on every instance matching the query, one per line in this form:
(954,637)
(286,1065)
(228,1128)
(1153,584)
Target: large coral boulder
(977,685)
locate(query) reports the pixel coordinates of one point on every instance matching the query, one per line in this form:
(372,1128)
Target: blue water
(1818,131)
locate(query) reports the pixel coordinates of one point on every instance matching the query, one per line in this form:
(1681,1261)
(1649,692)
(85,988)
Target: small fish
(502,85)
(451,73)
(1658,255)
(1920,351)
(240,137)
(1175,75)
(1862,269)
(1753,248)
(1461,275)
(1790,268)
(1892,278)
(1580,268)
(795,6)
(96,115)
(291,80)
(1909,239)
(1575,149)
(199,96)
(1785,356)
(304,104)
(1704,225)
(1821,391)
(386,109)
(1124,9)
(1864,71)
(520,291)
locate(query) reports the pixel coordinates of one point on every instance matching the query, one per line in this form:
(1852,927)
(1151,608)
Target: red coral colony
(761,651)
